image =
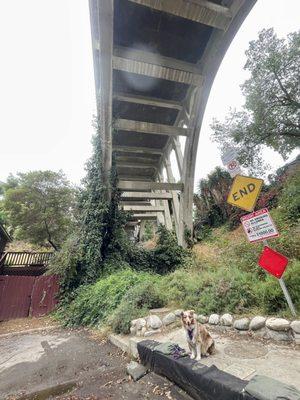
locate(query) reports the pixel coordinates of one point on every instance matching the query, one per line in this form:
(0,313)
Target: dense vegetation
(221,275)
(99,244)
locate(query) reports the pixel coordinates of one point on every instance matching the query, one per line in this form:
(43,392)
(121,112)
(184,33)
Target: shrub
(289,200)
(164,258)
(224,289)
(167,255)
(136,303)
(271,294)
(66,263)
(93,304)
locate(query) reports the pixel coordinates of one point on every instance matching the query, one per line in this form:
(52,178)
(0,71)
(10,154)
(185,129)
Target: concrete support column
(178,153)
(102,38)
(142,230)
(175,201)
(165,204)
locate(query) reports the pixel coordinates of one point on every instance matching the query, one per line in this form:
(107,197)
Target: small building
(4,238)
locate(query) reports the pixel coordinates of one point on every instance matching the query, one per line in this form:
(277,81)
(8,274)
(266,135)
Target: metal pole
(288,297)
(285,291)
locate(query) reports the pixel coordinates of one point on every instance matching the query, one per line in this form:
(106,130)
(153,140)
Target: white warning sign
(234,168)
(259,226)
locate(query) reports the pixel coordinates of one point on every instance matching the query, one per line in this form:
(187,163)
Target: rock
(257,323)
(133,322)
(154,322)
(178,313)
(140,323)
(297,338)
(261,333)
(169,319)
(242,324)
(278,324)
(295,325)
(136,370)
(226,320)
(133,331)
(279,336)
(143,331)
(202,319)
(214,319)
(151,333)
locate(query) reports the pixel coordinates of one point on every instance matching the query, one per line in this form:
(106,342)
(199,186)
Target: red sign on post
(273,262)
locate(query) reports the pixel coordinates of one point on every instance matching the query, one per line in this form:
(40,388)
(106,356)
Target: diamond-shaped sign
(244,192)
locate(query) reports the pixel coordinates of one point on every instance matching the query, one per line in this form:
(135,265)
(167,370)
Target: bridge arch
(154,63)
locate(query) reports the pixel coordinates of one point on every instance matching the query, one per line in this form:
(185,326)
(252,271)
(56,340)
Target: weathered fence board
(21,296)
(15,296)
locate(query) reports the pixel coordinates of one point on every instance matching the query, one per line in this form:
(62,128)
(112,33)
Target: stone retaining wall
(278,329)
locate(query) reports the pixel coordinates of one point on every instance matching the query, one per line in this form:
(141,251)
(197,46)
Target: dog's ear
(182,314)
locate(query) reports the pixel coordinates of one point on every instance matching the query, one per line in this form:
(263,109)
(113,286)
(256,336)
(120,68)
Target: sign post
(285,291)
(287,296)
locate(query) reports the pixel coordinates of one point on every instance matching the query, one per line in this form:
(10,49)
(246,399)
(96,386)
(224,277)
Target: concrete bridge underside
(155,62)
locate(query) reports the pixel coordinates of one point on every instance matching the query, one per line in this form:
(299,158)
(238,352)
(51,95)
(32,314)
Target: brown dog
(199,340)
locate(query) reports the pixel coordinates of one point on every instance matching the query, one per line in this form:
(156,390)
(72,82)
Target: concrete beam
(134,203)
(146,195)
(133,158)
(131,185)
(148,127)
(148,101)
(135,178)
(202,11)
(137,166)
(144,208)
(147,216)
(141,150)
(156,66)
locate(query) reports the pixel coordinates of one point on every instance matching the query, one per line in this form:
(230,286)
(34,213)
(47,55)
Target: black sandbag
(198,380)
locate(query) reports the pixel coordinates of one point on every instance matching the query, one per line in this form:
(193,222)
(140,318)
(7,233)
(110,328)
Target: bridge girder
(155,62)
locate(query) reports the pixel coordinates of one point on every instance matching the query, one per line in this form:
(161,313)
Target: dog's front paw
(192,356)
(198,358)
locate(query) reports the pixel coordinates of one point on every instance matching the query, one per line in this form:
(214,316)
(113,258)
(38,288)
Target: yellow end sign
(244,192)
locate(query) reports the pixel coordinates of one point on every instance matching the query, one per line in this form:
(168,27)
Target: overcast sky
(47,96)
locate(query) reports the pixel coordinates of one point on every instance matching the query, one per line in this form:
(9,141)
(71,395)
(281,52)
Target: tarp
(198,380)
(265,388)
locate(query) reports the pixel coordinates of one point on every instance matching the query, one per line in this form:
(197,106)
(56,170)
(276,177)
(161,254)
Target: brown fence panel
(44,295)
(15,296)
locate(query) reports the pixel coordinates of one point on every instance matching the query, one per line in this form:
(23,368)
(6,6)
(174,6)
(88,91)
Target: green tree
(210,201)
(271,113)
(39,206)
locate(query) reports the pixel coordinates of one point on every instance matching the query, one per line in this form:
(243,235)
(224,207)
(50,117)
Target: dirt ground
(90,367)
(24,324)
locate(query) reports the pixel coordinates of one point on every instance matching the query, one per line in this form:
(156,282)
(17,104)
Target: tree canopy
(39,206)
(271,113)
